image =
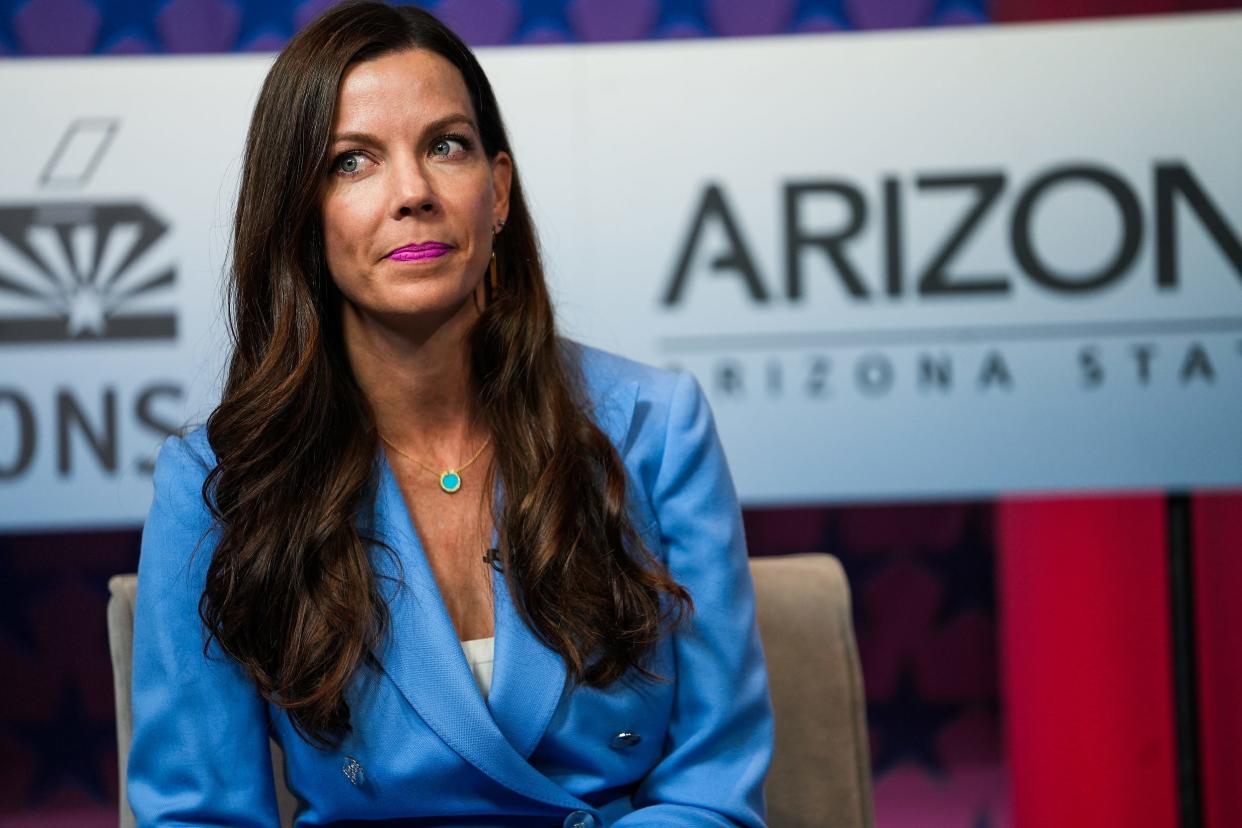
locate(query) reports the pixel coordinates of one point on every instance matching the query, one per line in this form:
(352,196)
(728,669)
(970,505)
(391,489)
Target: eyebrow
(434,126)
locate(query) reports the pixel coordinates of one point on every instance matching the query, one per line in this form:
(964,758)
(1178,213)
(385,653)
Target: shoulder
(659,420)
(181,469)
(179,534)
(612,381)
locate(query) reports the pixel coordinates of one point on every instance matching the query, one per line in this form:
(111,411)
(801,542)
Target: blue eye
(349,163)
(444,145)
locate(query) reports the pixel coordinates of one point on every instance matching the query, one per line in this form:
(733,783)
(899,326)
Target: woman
(409,470)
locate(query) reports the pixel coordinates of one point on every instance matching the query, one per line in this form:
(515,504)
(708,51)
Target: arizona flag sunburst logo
(83,271)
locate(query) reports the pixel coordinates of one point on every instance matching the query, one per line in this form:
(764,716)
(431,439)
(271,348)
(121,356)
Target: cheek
(344,232)
(342,249)
(474,199)
(479,212)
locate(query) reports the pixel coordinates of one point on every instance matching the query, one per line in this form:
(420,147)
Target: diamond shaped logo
(83,271)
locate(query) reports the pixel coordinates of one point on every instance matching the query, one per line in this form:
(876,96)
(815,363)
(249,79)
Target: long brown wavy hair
(291,591)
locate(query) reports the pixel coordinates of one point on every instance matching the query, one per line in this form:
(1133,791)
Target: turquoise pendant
(450,481)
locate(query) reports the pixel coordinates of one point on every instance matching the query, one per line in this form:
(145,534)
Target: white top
(480,652)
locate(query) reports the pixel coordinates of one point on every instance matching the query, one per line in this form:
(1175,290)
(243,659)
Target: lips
(418,252)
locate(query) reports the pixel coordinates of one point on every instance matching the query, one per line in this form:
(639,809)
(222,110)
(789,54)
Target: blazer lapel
(423,657)
(528,678)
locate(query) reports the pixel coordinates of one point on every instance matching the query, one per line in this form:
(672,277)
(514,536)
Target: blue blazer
(426,748)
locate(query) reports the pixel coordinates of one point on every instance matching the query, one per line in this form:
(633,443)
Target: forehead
(400,88)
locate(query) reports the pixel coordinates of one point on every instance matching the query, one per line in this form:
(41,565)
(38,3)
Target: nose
(412,189)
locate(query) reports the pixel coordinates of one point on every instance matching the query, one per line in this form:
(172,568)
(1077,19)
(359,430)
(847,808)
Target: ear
(502,181)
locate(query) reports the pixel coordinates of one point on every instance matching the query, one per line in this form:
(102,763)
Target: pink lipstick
(418,252)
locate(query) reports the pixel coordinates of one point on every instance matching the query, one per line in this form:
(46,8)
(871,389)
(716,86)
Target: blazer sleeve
(720,733)
(200,752)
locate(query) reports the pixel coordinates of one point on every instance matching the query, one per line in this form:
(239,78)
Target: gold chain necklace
(450,479)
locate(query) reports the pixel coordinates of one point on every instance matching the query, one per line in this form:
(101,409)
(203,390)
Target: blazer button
(625,739)
(579,819)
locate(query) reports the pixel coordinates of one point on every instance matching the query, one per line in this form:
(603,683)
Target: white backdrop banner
(916,265)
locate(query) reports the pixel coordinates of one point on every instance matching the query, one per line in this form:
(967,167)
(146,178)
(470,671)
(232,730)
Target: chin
(428,305)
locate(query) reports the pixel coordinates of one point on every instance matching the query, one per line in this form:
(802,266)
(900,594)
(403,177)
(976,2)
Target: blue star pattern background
(57,728)
(75,27)
(922,582)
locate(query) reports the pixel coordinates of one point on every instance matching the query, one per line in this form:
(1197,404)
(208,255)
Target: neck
(418,382)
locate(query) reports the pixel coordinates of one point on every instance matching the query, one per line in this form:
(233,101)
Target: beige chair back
(821,769)
(124,589)
(820,773)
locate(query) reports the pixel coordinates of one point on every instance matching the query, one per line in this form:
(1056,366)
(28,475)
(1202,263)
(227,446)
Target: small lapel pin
(353,770)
